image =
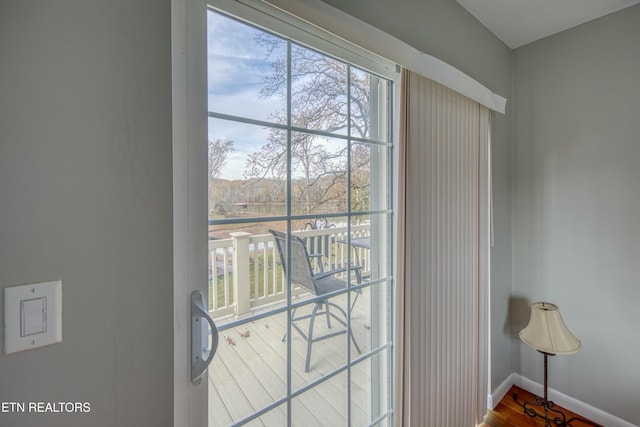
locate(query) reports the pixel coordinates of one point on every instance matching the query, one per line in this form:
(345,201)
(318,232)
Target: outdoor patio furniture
(320,284)
(319,245)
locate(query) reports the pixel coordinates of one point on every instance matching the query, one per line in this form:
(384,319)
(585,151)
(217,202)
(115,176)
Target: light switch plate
(32,316)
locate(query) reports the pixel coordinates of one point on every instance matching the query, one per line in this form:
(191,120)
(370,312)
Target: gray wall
(444,29)
(85,184)
(576,205)
(85,196)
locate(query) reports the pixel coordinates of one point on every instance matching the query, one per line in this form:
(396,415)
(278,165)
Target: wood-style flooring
(509,413)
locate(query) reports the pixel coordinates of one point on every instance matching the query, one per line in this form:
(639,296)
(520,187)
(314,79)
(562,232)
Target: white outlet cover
(24,329)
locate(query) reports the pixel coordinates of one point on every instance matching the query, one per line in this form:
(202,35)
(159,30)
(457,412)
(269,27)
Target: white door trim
(188,45)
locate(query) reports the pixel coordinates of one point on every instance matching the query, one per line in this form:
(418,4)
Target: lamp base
(551,416)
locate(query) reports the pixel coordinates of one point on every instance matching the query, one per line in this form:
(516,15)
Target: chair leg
(345,323)
(353,303)
(310,335)
(293,315)
(328,315)
(354,341)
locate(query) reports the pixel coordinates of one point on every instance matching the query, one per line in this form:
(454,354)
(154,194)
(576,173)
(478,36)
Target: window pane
(369,106)
(275,417)
(249,179)
(369,177)
(246,70)
(318,168)
(371,389)
(323,405)
(326,355)
(258,272)
(371,245)
(248,372)
(371,317)
(325,238)
(318,91)
(360,177)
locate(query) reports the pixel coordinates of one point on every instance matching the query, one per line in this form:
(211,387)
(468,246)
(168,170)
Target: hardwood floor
(509,413)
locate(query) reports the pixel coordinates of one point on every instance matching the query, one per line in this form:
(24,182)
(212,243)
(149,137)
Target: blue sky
(237,66)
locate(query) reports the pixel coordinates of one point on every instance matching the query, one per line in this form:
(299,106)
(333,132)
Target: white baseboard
(496,396)
(568,402)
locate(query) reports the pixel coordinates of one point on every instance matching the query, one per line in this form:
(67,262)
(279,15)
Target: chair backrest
(300,271)
(319,244)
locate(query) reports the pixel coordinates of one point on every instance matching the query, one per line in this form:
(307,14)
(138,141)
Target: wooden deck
(249,372)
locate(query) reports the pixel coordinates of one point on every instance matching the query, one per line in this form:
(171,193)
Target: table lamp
(547,333)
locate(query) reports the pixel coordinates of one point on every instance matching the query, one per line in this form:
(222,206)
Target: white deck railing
(245,273)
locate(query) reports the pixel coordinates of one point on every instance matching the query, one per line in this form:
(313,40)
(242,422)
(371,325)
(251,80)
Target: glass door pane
(299,233)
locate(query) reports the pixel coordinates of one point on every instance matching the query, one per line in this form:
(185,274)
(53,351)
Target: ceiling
(518,22)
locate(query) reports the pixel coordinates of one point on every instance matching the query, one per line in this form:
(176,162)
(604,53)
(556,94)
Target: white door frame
(189,93)
(189,120)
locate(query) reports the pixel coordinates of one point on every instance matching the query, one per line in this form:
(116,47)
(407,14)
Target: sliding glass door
(300,225)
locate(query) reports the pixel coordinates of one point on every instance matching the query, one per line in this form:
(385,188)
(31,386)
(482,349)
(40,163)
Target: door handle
(200,360)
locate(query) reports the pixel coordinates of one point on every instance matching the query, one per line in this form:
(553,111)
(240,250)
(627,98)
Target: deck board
(249,372)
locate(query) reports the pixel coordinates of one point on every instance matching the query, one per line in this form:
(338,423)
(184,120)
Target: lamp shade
(546,331)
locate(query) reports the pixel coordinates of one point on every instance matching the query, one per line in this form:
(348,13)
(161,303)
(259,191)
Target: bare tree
(321,96)
(217,152)
(360,177)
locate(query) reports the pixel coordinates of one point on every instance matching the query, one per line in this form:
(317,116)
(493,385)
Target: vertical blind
(443,251)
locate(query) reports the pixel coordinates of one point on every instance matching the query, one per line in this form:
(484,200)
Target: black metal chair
(319,284)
